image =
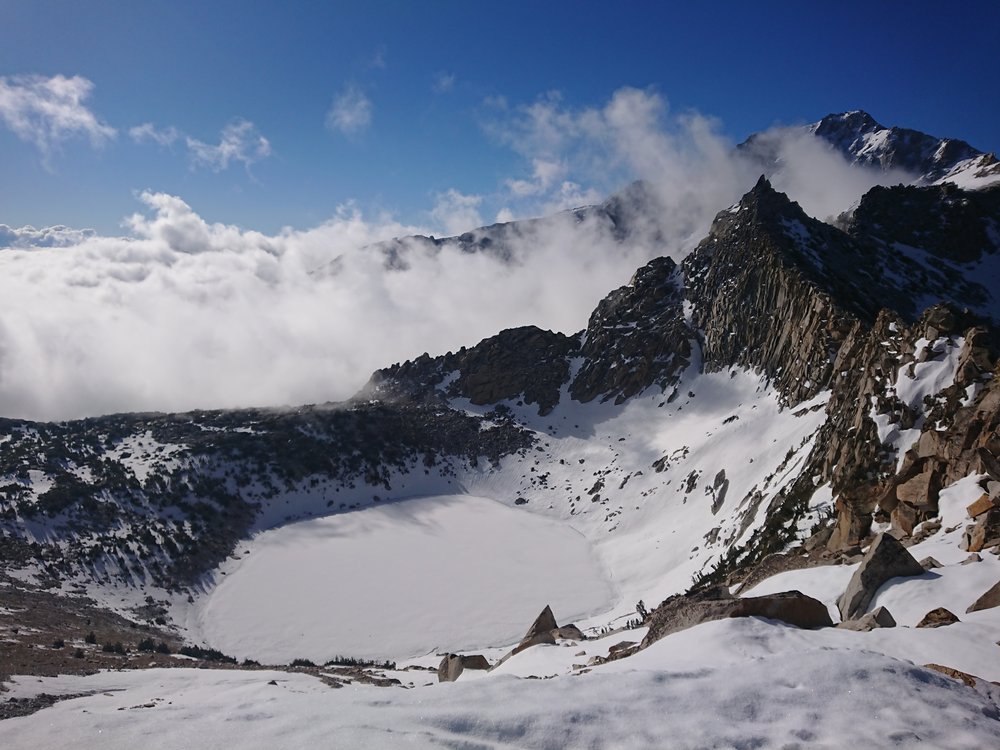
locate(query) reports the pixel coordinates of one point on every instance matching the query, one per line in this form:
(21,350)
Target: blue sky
(267,114)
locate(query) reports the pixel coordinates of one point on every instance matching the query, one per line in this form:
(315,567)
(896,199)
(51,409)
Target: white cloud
(28,236)
(817,177)
(185,313)
(48,111)
(455,212)
(576,155)
(149,132)
(544,174)
(240,141)
(443,83)
(351,111)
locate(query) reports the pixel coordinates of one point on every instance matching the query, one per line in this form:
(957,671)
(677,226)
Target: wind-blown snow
(738,685)
(401,580)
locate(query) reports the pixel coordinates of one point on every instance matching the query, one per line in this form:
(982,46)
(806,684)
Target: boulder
(879,617)
(450,668)
(937,618)
(904,518)
(930,444)
(475,661)
(545,630)
(544,623)
(974,537)
(569,633)
(684,611)
(920,492)
(983,505)
(988,600)
(452,665)
(885,559)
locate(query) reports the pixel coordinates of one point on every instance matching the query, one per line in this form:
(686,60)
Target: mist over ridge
(181,313)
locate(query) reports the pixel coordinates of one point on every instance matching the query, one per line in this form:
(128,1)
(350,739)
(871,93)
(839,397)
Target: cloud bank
(182,313)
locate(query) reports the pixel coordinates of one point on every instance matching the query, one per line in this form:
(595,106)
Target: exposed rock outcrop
(519,363)
(637,337)
(684,611)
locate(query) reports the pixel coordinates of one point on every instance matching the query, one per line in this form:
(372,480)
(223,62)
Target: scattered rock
(929,563)
(937,618)
(621,646)
(973,558)
(880,617)
(988,600)
(886,559)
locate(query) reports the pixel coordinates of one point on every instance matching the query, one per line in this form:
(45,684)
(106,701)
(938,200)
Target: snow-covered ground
(614,504)
(733,683)
(409,578)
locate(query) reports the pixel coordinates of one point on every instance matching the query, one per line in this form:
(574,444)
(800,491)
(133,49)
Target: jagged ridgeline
(885,323)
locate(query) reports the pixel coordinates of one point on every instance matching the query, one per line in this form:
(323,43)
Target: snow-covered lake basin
(443,573)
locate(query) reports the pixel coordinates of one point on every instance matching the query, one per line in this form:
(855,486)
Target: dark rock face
(526,363)
(684,611)
(949,223)
(886,559)
(777,291)
(636,337)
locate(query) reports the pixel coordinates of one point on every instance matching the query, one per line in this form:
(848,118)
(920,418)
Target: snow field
(692,692)
(442,573)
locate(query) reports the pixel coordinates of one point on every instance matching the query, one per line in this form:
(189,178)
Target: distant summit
(862,140)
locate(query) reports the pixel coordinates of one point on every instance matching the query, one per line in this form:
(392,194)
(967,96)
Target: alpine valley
(756,502)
